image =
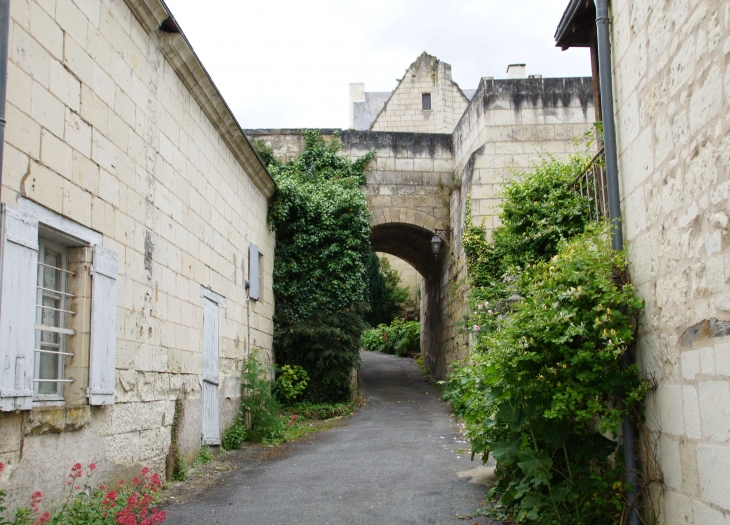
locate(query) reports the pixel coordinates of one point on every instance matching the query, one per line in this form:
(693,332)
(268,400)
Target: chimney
(517,71)
(357,94)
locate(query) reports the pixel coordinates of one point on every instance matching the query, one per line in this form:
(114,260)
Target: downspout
(4,35)
(614,210)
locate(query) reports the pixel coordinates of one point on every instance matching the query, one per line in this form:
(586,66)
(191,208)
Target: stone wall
(511,125)
(423,180)
(408,190)
(404,110)
(672,92)
(104,129)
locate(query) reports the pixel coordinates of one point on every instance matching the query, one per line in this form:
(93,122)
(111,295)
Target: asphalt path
(400,460)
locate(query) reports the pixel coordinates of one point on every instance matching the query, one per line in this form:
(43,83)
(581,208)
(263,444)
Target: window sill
(48,418)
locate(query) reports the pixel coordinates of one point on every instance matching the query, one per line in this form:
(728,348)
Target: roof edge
(566,20)
(177,50)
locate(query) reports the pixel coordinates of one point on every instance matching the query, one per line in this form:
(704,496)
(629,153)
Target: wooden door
(211,409)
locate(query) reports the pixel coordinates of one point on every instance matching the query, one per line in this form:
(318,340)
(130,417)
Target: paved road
(395,462)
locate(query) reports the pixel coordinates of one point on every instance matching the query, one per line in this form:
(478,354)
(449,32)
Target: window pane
(52,280)
(426,100)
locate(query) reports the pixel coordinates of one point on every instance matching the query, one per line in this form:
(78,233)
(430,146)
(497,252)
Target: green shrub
(259,408)
(401,338)
(235,435)
(291,383)
(545,389)
(307,410)
(539,209)
(322,223)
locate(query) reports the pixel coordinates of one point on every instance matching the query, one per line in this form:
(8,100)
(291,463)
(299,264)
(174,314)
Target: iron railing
(591,183)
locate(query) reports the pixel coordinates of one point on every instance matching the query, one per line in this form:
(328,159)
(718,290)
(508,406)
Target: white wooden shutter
(211,403)
(18,281)
(253,272)
(103,354)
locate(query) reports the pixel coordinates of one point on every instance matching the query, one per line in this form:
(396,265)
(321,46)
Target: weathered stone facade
(407,111)
(113,128)
(671,63)
(419,182)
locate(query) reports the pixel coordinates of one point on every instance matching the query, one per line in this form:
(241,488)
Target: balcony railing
(591,183)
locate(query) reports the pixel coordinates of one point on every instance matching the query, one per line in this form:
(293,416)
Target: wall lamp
(436,241)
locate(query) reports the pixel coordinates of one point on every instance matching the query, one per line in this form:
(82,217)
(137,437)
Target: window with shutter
(36,309)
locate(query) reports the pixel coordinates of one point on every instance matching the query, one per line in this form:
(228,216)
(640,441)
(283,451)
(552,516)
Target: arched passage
(412,243)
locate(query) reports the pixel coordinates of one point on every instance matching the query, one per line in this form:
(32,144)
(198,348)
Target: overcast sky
(288,63)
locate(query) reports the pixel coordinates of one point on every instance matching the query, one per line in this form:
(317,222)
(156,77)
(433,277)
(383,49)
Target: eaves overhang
(576,25)
(157,19)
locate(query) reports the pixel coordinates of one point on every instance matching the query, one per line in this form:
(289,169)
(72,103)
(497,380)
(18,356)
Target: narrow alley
(397,461)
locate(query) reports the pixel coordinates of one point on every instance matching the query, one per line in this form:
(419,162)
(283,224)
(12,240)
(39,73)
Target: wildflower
(2,467)
(476,328)
(479,307)
(43,518)
(489,311)
(92,467)
(136,481)
(145,471)
(76,471)
(35,500)
(294,417)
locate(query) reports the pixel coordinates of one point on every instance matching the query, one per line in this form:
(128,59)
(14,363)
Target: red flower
(145,471)
(92,467)
(43,518)
(2,467)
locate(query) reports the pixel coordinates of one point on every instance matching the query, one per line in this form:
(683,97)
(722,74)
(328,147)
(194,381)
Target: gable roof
(422,56)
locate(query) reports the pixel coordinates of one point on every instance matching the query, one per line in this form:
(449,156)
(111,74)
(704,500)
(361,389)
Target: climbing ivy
(387,296)
(322,223)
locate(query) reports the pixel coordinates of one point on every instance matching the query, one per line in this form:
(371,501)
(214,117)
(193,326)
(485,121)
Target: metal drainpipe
(4,32)
(614,209)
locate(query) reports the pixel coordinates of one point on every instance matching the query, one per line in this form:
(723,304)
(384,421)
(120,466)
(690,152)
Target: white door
(211,411)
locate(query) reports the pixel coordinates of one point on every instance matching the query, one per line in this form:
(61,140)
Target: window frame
(58,396)
(424,98)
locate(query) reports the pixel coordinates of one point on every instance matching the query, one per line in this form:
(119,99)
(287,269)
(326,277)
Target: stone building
(133,216)
(426,100)
(419,180)
(671,71)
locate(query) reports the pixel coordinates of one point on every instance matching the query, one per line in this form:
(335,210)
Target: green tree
(377,296)
(322,223)
(397,296)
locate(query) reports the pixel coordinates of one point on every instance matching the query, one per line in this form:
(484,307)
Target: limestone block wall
(510,125)
(404,110)
(103,129)
(671,62)
(409,191)
(409,278)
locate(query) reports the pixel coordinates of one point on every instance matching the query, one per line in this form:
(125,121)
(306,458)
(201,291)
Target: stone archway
(412,243)
(409,188)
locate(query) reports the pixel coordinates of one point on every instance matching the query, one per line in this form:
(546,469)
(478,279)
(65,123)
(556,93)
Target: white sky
(288,63)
